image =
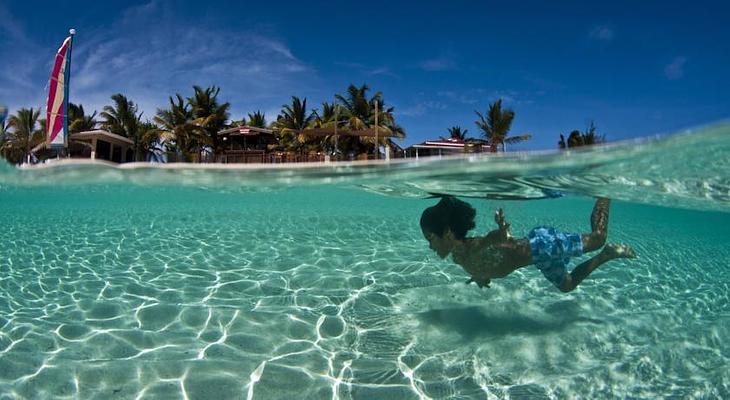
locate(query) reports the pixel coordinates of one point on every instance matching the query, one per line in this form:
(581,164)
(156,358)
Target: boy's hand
(503,224)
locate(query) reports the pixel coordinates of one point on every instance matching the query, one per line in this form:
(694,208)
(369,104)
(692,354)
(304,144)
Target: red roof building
(443,147)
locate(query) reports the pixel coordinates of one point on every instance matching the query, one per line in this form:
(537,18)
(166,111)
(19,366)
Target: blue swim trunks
(552,250)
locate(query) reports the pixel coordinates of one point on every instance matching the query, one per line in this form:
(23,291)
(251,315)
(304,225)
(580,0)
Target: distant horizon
(661,70)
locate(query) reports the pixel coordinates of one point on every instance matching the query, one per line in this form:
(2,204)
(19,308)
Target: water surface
(317,283)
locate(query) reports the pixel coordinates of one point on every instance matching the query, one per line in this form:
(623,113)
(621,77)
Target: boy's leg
(599,226)
(582,271)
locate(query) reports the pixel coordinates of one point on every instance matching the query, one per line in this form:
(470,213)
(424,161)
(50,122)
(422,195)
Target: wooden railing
(262,157)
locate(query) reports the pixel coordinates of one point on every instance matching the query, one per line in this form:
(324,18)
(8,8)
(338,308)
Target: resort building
(443,147)
(101,145)
(245,144)
(249,144)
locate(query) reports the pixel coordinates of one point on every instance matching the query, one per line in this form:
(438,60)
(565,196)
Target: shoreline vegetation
(188,129)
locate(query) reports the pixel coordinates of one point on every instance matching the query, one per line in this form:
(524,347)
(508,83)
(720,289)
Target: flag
(57,107)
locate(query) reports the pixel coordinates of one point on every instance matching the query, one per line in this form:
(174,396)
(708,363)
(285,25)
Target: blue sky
(636,68)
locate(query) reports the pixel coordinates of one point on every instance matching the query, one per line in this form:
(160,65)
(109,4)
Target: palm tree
(150,136)
(360,113)
(293,118)
(3,135)
(359,110)
(591,136)
(455,132)
(27,133)
(78,121)
(332,115)
(497,124)
(257,119)
(578,138)
(234,123)
(208,113)
(176,127)
(123,119)
(327,116)
(575,139)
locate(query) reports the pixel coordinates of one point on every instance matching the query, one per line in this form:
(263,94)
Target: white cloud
(468,97)
(10,28)
(482,97)
(603,33)
(381,71)
(438,64)
(675,69)
(421,108)
(17,84)
(369,70)
(150,53)
(148,60)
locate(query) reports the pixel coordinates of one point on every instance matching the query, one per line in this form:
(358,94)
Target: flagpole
(336,120)
(377,150)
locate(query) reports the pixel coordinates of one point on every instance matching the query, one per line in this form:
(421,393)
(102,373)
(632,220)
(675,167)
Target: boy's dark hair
(449,213)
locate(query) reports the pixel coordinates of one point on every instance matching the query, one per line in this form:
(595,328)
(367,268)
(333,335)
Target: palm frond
(496,124)
(517,139)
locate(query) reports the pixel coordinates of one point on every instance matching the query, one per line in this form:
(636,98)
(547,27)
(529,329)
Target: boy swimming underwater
(498,254)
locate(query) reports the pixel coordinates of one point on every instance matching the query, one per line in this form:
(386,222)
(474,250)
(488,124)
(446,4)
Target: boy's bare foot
(618,251)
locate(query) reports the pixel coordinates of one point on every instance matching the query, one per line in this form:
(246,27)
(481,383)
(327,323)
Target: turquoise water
(317,283)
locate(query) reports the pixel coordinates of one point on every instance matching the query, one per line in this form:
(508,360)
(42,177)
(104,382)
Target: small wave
(687,170)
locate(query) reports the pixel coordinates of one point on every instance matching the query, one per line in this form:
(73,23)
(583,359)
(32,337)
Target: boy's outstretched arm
(503,225)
